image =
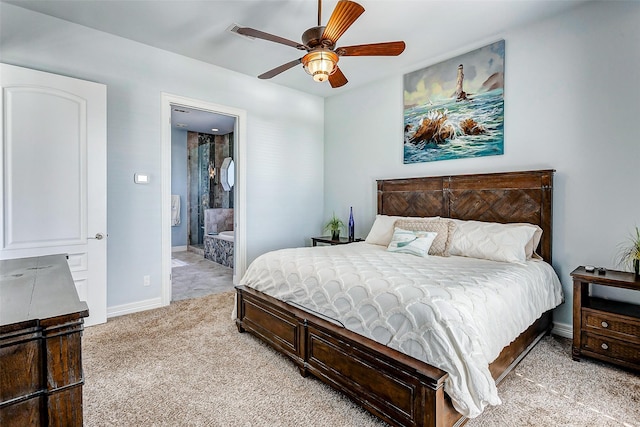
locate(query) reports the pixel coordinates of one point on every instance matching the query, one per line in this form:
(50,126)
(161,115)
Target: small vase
(351,225)
(636,267)
(335,235)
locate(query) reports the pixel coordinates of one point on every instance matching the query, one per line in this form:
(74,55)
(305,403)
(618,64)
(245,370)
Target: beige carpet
(186,365)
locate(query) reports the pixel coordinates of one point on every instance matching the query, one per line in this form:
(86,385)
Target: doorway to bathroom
(203,184)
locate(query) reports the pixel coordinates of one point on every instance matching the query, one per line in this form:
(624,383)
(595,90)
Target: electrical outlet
(146,280)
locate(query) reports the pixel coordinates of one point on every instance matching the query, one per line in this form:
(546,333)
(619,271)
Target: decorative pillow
(382,229)
(411,242)
(491,240)
(444,227)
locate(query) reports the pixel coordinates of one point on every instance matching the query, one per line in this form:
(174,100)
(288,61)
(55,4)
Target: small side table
(605,329)
(329,241)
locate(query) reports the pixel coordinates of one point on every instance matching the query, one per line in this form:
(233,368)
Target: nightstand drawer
(612,348)
(602,322)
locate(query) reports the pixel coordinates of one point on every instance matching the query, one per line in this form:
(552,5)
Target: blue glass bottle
(351,225)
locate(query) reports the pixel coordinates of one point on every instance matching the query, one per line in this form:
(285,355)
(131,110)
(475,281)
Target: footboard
(393,386)
(273,322)
(397,388)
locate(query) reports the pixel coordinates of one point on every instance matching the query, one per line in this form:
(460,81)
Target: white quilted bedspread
(454,313)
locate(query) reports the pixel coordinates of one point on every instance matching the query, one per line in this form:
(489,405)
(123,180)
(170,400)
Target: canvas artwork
(455,109)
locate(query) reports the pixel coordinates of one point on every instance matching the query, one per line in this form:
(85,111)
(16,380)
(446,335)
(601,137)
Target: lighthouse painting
(455,109)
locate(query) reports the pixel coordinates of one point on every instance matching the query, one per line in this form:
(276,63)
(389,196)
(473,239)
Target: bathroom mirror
(227,174)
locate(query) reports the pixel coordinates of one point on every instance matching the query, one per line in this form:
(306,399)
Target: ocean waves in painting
(486,109)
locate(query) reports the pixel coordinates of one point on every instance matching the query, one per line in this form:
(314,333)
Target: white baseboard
(134,307)
(178,248)
(562,329)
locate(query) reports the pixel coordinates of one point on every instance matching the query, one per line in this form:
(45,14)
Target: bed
(398,388)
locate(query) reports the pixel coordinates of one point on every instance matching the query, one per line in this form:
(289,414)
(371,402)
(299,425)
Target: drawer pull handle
(604,346)
(604,324)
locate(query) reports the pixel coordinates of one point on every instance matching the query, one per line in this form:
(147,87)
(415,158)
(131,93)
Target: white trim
(178,248)
(563,330)
(240,189)
(134,307)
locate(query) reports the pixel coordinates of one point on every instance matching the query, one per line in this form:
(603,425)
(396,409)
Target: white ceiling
(200,121)
(199,29)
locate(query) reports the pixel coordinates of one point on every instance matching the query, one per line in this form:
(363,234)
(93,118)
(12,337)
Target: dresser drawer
(610,324)
(610,347)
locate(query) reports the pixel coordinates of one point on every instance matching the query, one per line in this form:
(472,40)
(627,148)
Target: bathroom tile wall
(223,149)
(217,220)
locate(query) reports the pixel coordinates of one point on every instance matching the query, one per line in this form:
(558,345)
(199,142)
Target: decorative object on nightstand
(629,254)
(334,225)
(605,329)
(352,228)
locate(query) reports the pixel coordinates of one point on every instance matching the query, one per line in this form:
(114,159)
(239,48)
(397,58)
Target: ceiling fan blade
(345,14)
(280,69)
(372,49)
(251,32)
(337,79)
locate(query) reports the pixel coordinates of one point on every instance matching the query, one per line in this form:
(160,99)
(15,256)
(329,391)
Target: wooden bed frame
(397,388)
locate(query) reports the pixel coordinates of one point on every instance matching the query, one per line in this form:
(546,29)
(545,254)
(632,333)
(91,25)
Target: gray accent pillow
(444,227)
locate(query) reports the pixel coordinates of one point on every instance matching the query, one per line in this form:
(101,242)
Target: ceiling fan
(321,60)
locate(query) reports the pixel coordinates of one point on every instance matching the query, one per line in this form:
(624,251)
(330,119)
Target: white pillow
(532,245)
(492,240)
(382,228)
(411,242)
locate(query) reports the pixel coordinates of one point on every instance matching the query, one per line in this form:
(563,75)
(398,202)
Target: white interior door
(53,176)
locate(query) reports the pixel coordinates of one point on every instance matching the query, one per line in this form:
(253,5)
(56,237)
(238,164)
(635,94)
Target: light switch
(141,178)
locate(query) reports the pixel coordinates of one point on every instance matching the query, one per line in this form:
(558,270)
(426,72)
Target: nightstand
(329,241)
(605,329)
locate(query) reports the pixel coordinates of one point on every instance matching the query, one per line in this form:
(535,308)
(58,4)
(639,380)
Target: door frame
(240,187)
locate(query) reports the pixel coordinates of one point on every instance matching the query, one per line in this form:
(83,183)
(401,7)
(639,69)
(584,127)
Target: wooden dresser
(605,329)
(41,323)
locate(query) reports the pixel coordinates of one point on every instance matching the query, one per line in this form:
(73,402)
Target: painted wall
(283,158)
(572,103)
(179,183)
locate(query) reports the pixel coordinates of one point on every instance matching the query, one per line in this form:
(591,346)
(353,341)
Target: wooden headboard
(497,197)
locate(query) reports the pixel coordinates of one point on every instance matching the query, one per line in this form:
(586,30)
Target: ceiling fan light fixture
(320,64)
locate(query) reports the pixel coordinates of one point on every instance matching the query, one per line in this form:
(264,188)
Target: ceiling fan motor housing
(312,38)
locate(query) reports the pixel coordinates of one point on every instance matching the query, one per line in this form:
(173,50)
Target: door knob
(98,236)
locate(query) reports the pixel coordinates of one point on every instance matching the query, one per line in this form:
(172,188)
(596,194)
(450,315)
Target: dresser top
(38,288)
